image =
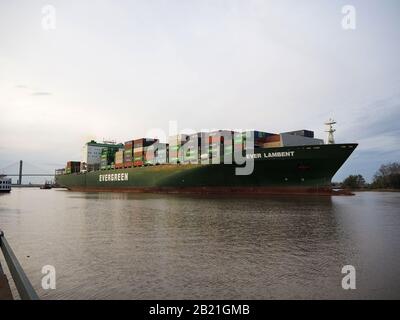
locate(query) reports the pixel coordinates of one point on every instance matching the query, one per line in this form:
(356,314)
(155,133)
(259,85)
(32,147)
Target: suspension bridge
(16,169)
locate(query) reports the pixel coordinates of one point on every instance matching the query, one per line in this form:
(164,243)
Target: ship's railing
(22,283)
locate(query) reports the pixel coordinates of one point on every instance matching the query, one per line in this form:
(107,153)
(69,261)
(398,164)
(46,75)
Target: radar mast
(330,130)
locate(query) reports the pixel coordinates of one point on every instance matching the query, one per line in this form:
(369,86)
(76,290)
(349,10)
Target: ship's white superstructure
(5,184)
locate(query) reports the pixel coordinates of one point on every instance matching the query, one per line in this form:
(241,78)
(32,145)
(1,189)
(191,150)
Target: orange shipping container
(276,144)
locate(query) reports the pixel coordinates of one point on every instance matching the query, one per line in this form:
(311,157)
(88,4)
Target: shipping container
(303,133)
(93,167)
(108,156)
(273,138)
(276,144)
(197,145)
(175,145)
(297,140)
(128,164)
(137,156)
(128,151)
(143,142)
(220,136)
(119,157)
(221,146)
(161,153)
(161,159)
(149,154)
(119,165)
(259,137)
(239,138)
(141,150)
(190,152)
(73,166)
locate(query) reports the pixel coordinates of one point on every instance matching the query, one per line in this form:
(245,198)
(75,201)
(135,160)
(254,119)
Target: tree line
(387,177)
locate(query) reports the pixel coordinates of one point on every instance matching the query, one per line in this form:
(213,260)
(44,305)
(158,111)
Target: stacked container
(156,153)
(149,154)
(288,139)
(128,154)
(108,157)
(137,157)
(141,152)
(273,141)
(73,167)
(60,171)
(259,138)
(119,159)
(239,141)
(303,133)
(104,159)
(161,153)
(221,143)
(191,150)
(228,146)
(175,144)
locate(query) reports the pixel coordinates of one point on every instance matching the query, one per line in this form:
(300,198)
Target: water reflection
(143,246)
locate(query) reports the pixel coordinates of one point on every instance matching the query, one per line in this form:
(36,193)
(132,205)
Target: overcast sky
(116,69)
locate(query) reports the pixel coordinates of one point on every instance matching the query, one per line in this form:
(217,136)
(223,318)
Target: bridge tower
(20,172)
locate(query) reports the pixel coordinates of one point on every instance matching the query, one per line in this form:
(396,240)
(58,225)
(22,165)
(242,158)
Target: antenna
(330,130)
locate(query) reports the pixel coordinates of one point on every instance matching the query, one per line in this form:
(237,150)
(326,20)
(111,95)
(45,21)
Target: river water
(142,246)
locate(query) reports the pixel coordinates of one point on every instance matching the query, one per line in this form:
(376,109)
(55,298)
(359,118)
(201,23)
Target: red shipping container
(215,139)
(128,164)
(144,142)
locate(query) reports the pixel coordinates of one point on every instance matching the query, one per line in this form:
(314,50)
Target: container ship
(251,162)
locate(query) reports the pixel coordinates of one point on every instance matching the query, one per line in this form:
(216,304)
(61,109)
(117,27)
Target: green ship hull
(298,169)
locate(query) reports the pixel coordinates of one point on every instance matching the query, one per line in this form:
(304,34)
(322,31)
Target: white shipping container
(119,157)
